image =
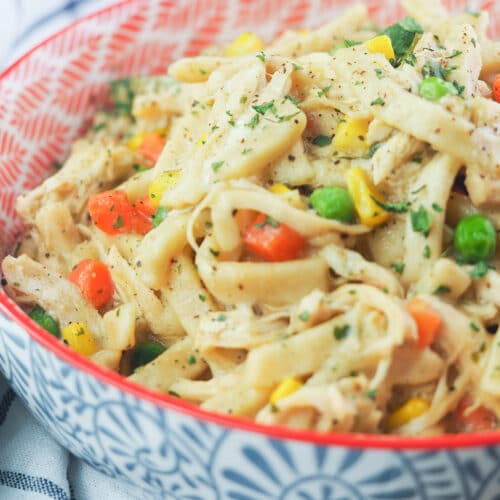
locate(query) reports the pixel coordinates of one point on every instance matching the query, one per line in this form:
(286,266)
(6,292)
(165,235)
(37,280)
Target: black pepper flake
(492,329)
(291,158)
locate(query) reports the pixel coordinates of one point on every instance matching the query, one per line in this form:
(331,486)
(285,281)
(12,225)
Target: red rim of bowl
(351,440)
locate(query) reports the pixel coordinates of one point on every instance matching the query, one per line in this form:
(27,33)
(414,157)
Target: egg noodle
(302,233)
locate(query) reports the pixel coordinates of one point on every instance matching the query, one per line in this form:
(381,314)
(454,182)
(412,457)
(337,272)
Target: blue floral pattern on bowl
(173,455)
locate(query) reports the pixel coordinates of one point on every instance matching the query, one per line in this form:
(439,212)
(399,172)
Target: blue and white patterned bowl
(168,447)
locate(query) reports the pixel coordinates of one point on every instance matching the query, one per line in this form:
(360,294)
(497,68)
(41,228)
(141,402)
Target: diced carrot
(93,279)
(273,240)
(496,88)
(111,211)
(143,211)
(144,206)
(479,419)
(427,319)
(151,146)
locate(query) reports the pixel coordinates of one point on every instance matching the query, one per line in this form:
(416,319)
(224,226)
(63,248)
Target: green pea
(46,321)
(145,353)
(333,202)
(433,88)
(475,238)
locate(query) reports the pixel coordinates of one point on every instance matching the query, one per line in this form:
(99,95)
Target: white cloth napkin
(32,465)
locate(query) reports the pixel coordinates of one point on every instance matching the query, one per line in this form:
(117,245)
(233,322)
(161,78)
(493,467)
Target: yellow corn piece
(201,140)
(362,192)
(246,43)
(413,408)
(350,137)
(279,189)
(381,44)
(78,337)
(285,388)
(163,182)
(135,141)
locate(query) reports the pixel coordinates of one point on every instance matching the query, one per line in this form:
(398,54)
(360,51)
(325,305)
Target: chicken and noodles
(303,232)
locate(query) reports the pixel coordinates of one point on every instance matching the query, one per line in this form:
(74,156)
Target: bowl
(168,447)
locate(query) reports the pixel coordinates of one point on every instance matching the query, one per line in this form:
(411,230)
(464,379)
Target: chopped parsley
(269,221)
(344,45)
(216,165)
(421,221)
(373,149)
(202,297)
(292,99)
(459,88)
(98,126)
(399,267)
(118,222)
(263,108)
(304,315)
(56,165)
(341,332)
(215,253)
(159,216)
(437,208)
(324,90)
(474,327)
(455,53)
(441,290)
(378,102)
(350,43)
(122,96)
(427,252)
(480,270)
(246,151)
(253,122)
(379,73)
(322,140)
(372,394)
(296,67)
(396,208)
(403,37)
(473,13)
(221,317)
(261,56)
(243,99)
(191,360)
(138,168)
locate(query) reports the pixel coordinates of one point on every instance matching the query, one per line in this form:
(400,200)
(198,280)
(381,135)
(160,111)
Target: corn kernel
(285,388)
(78,337)
(350,137)
(163,182)
(363,193)
(201,140)
(246,43)
(381,44)
(135,141)
(413,408)
(279,189)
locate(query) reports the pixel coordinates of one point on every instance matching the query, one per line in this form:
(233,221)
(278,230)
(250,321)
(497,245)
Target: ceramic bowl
(169,448)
